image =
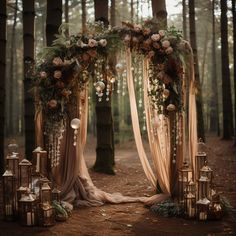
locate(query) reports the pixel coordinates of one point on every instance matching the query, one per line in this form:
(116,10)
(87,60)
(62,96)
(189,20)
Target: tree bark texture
(184,12)
(66,7)
(28,36)
(84,15)
(3,43)
(105,133)
(234,39)
(54,19)
(113,13)
(193,41)
(226,85)
(214,112)
(159,13)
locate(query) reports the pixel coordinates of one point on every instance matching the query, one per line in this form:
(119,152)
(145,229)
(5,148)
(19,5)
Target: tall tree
(66,11)
(3,40)
(12,82)
(184,13)
(54,19)
(226,85)
(28,36)
(193,41)
(84,15)
(105,135)
(234,39)
(214,114)
(159,13)
(113,13)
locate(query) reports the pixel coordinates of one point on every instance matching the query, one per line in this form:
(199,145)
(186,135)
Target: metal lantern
(185,175)
(204,190)
(190,200)
(35,184)
(202,208)
(56,195)
(46,211)
(25,173)
(207,171)
(200,160)
(9,195)
(12,148)
(201,147)
(12,161)
(40,161)
(27,210)
(19,193)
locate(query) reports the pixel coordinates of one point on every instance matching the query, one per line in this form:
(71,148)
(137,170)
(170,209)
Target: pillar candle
(38,162)
(30,218)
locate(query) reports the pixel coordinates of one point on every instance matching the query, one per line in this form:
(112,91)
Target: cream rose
(57,61)
(92,43)
(43,75)
(103,42)
(165,44)
(155,37)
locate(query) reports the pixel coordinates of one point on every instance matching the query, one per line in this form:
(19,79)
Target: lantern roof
(13,156)
(39,149)
(27,198)
(190,195)
(203,201)
(45,186)
(55,190)
(7,173)
(21,188)
(201,154)
(191,182)
(25,162)
(203,178)
(206,168)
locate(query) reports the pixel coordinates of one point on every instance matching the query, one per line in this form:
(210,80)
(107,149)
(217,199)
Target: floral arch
(169,94)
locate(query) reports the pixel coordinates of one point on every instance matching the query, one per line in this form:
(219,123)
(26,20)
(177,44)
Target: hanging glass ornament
(75,124)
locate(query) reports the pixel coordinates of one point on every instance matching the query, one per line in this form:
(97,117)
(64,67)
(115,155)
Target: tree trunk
(28,35)
(3,43)
(105,134)
(54,19)
(184,12)
(234,40)
(159,13)
(193,41)
(113,13)
(132,10)
(66,12)
(12,83)
(214,112)
(204,56)
(226,86)
(84,15)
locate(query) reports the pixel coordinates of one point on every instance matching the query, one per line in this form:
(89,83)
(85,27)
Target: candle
(47,213)
(191,212)
(8,209)
(202,216)
(38,162)
(30,218)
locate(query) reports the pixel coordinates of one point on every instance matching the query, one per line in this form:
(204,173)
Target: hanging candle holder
(28,210)
(184,177)
(202,209)
(75,124)
(99,87)
(40,161)
(25,169)
(9,196)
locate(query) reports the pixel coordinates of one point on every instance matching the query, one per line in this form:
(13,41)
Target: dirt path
(135,219)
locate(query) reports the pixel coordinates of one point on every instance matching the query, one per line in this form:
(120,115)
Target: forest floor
(134,218)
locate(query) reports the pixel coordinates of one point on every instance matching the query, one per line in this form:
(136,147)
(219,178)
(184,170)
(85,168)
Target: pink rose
(43,75)
(156,45)
(57,74)
(146,31)
(52,103)
(162,33)
(57,61)
(169,50)
(92,43)
(155,37)
(137,28)
(165,44)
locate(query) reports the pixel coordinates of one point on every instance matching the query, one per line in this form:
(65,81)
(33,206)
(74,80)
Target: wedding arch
(64,72)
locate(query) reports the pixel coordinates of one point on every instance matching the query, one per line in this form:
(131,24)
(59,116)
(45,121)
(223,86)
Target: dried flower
(57,74)
(92,43)
(169,50)
(171,107)
(146,31)
(127,38)
(156,45)
(85,57)
(166,93)
(135,40)
(57,61)
(155,37)
(165,44)
(162,33)
(103,42)
(52,103)
(151,54)
(137,28)
(66,93)
(43,75)
(92,53)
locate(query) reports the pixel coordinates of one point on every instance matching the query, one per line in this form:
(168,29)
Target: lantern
(40,160)
(190,200)
(36,178)
(12,148)
(46,211)
(204,190)
(19,193)
(27,210)
(202,208)
(207,171)
(201,147)
(185,175)
(9,192)
(12,163)
(56,195)
(200,160)
(25,173)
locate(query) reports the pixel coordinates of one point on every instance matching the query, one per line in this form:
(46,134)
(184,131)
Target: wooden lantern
(200,160)
(25,167)
(202,208)
(204,190)
(56,195)
(9,195)
(185,175)
(12,162)
(208,172)
(19,193)
(28,210)
(40,161)
(45,193)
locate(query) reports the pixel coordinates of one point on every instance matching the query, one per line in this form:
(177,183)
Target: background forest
(208,25)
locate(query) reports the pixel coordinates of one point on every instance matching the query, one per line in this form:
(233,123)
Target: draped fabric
(72,175)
